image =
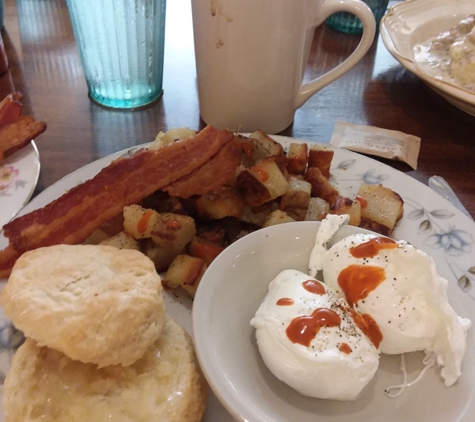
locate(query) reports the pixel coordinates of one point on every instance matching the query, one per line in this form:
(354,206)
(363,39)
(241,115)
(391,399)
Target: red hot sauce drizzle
(368,325)
(372,247)
(313,286)
(303,329)
(143,222)
(358,281)
(345,348)
(362,201)
(285,301)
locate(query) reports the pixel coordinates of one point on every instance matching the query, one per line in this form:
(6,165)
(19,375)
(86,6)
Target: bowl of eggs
(435,40)
(322,321)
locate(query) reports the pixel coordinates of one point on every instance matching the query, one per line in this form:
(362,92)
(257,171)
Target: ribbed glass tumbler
(2,11)
(121,44)
(346,22)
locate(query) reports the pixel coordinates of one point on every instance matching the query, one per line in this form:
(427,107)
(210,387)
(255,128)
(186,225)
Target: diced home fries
(183,236)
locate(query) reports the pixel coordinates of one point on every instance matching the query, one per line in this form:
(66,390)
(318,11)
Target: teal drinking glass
(121,44)
(350,24)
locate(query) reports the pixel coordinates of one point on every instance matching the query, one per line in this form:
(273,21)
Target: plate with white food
(429,223)
(435,40)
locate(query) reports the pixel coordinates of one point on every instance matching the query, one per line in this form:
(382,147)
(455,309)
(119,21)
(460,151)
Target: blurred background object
(350,24)
(3,56)
(2,7)
(121,44)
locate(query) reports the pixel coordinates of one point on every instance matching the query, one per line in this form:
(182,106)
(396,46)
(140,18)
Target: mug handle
(364,13)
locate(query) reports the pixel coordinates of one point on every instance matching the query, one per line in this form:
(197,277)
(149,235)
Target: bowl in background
(415,21)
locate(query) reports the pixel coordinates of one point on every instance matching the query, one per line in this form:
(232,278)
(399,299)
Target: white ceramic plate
(18,177)
(430,222)
(414,21)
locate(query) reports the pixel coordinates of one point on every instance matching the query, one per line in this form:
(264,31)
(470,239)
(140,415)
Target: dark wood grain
(45,66)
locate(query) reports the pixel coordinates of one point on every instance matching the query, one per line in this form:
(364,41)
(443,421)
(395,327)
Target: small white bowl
(228,296)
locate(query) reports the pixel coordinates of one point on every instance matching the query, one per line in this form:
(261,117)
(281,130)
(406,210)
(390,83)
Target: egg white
(321,370)
(410,306)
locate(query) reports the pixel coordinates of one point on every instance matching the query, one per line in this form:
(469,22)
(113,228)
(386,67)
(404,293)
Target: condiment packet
(376,141)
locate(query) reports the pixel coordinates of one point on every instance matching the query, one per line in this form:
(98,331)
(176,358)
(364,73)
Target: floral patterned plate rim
(430,222)
(18,178)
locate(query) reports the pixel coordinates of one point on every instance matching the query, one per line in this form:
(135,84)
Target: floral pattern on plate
(8,174)
(439,229)
(18,177)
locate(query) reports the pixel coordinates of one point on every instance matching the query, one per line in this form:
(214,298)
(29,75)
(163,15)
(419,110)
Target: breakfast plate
(18,177)
(416,21)
(430,223)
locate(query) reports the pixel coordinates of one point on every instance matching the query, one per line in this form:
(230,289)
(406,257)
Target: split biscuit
(164,385)
(95,304)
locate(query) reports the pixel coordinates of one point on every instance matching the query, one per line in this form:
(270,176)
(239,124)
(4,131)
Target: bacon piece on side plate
(19,134)
(71,218)
(16,132)
(11,108)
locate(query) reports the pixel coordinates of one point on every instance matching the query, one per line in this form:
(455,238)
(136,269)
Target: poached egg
(399,287)
(312,341)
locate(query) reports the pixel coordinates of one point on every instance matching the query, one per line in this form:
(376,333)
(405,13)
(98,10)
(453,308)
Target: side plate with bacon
(16,131)
(19,159)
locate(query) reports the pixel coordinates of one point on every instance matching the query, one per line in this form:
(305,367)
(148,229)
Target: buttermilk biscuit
(164,385)
(96,304)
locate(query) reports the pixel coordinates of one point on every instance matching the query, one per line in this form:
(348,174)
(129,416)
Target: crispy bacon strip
(211,176)
(17,135)
(71,218)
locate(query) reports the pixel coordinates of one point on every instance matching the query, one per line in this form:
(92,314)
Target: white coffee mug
(251,57)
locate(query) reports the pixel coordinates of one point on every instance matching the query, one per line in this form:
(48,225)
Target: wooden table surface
(45,66)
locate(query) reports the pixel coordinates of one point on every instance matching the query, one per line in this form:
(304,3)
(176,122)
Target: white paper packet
(376,141)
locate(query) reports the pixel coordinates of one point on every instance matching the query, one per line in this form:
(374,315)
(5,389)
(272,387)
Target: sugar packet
(376,141)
